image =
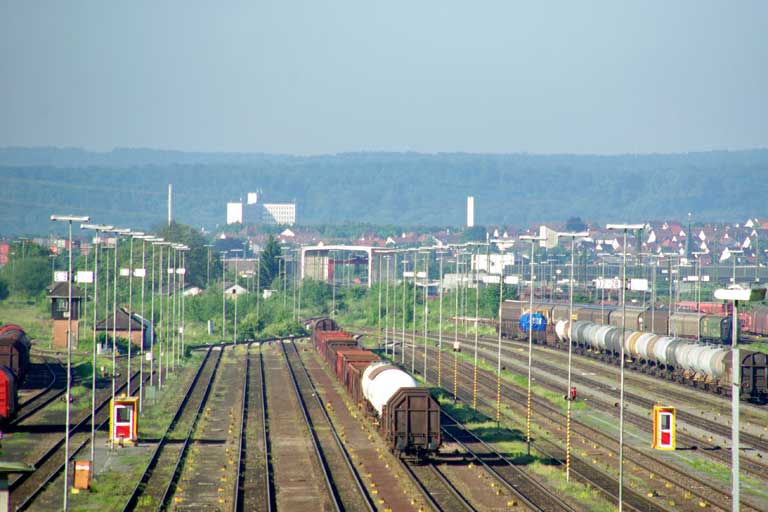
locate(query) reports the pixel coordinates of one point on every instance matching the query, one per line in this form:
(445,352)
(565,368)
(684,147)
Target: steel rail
(28,500)
(334,494)
(348,461)
(146,474)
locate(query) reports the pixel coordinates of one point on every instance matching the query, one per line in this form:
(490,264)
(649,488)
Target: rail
(347,460)
(334,494)
(146,474)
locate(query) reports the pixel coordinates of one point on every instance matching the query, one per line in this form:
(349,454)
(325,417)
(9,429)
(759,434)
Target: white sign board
(608,283)
(511,279)
(408,274)
(139,272)
(181,271)
(60,276)
(639,285)
(84,276)
(125,272)
(170,270)
(421,275)
(491,279)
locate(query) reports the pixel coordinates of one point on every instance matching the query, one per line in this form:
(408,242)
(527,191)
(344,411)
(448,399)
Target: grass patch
(29,315)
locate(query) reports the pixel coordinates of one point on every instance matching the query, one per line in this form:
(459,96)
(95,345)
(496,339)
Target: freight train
(14,362)
(597,332)
(407,414)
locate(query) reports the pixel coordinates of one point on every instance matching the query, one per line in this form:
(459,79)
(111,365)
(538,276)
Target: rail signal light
(663,428)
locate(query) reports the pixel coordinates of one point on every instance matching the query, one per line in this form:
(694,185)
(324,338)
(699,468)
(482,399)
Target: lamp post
(134,234)
(440,326)
(568,394)
(456,322)
(529,412)
(426,309)
(223,297)
(378,282)
(234,335)
(697,291)
(162,342)
(69,219)
(413,338)
(184,249)
(144,239)
(735,295)
(405,288)
(208,266)
(735,254)
(624,228)
(97,241)
(117,232)
(155,242)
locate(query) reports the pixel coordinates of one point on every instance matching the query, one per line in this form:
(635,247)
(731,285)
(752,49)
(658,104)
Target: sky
(311,77)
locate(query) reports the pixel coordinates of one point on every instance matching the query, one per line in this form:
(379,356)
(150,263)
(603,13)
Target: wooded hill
(129,186)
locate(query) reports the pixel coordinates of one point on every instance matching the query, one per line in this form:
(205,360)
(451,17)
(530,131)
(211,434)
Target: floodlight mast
(624,228)
(96,228)
(529,414)
(568,395)
(68,219)
(736,295)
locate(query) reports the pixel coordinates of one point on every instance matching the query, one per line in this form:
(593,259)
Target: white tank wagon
(409,416)
(381,381)
(703,365)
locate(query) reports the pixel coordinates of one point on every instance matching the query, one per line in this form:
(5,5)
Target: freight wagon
(706,366)
(14,362)
(714,328)
(407,414)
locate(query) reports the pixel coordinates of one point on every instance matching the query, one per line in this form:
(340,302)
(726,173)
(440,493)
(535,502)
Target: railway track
(684,480)
(208,478)
(158,481)
(542,355)
(55,388)
(342,479)
(28,487)
(298,478)
(255,485)
(438,490)
(543,370)
(530,491)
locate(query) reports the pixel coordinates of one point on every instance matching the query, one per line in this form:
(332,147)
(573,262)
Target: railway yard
(279,425)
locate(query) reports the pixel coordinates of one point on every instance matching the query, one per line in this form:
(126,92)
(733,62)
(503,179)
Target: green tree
(473,234)
(269,265)
(28,276)
(196,259)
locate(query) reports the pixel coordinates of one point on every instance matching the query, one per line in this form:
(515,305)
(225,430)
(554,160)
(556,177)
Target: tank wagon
(706,366)
(14,361)
(683,324)
(407,414)
(595,331)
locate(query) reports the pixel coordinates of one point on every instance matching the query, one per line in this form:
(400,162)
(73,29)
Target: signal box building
(59,295)
(140,328)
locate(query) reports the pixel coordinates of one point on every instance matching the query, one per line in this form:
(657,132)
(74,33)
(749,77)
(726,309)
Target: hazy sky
(344,75)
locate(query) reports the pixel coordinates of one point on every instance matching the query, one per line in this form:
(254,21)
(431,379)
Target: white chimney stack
(470,211)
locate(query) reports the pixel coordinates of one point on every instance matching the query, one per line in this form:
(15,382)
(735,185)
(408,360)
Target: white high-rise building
(279,213)
(253,198)
(234,213)
(470,211)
